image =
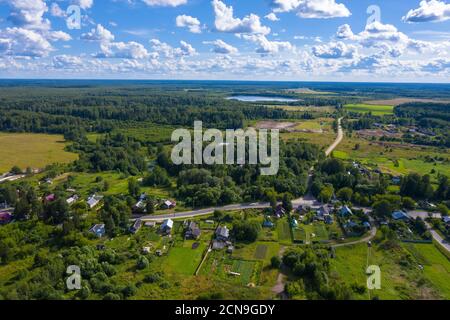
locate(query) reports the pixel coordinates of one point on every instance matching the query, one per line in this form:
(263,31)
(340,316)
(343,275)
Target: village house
(167,226)
(70,201)
(345,211)
(321,213)
(98,230)
(400,216)
(193,231)
(280,211)
(140,207)
(222,233)
(302,210)
(446,220)
(136,226)
(168,204)
(94,200)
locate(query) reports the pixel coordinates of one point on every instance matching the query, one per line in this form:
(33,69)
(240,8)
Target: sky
(295,40)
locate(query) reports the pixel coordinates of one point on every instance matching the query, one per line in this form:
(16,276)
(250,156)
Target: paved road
(423,214)
(308,200)
(440,240)
(436,236)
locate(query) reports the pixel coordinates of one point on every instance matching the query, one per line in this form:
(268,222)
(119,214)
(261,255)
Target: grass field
(377,110)
(397,281)
(284,231)
(148,132)
(184,260)
(392,157)
(436,266)
(32,150)
(245,269)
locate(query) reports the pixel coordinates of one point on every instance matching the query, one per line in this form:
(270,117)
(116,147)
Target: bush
(111,296)
(275,262)
(246,231)
(142,263)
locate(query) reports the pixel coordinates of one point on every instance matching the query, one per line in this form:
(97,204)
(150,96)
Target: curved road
(308,200)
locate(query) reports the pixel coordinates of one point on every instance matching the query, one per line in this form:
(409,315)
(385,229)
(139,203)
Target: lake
(261,98)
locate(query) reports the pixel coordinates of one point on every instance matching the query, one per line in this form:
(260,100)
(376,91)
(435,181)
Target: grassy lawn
(257,251)
(309,125)
(245,269)
(284,231)
(184,260)
(32,150)
(378,110)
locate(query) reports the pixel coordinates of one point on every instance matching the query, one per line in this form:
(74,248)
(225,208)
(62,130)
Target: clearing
(377,110)
(33,150)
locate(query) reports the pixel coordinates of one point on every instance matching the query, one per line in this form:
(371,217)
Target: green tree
(133,187)
(287,202)
(345,194)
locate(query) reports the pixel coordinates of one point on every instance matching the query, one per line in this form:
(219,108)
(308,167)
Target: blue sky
(332,40)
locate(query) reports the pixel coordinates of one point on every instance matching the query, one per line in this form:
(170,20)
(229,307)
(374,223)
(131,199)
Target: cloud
(123,50)
(437,65)
(429,11)
(334,50)
(98,33)
(67,62)
(266,46)
(165,3)
(222,47)
(312,9)
(345,32)
(193,24)
(29,14)
(84,4)
(23,42)
(272,17)
(386,38)
(58,36)
(225,21)
(56,11)
(165,50)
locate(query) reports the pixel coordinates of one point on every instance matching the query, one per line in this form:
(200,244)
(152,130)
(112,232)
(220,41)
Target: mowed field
(32,150)
(378,110)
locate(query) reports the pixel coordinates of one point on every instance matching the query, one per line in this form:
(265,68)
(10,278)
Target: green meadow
(377,110)
(32,150)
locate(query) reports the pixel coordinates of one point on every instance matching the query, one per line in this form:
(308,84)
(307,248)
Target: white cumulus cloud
(312,9)
(429,11)
(165,3)
(222,47)
(334,50)
(99,33)
(226,22)
(122,50)
(272,17)
(185,21)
